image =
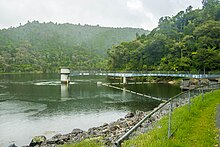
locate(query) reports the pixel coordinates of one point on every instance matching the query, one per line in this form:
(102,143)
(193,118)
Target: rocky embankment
(108,133)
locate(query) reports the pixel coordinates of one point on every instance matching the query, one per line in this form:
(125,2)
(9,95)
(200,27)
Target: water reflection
(64,88)
(38,103)
(124,93)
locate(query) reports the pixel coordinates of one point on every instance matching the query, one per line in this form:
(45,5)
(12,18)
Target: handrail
(151,72)
(119,141)
(184,74)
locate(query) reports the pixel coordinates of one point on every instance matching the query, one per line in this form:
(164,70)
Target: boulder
(113,128)
(92,132)
(57,136)
(58,139)
(140,113)
(76,131)
(12,145)
(80,137)
(123,125)
(37,141)
(105,131)
(129,115)
(105,125)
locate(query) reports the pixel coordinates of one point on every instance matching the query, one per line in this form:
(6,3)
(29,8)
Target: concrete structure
(147,74)
(65,75)
(64,91)
(124,80)
(126,75)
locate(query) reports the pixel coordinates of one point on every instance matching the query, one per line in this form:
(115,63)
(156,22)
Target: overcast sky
(114,13)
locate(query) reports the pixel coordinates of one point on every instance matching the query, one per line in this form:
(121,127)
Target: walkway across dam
(147,74)
(66,73)
(128,74)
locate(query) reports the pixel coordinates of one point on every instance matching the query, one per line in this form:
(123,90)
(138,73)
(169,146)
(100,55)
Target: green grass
(196,127)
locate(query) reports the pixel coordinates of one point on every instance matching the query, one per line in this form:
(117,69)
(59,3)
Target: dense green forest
(188,41)
(45,47)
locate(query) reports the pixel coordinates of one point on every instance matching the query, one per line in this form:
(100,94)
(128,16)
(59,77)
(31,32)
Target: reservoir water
(37,104)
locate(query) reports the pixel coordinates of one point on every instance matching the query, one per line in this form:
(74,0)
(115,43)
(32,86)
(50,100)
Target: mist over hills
(188,41)
(44,47)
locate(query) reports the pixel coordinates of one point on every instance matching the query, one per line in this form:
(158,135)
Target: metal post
(117,144)
(192,93)
(202,94)
(199,82)
(212,87)
(189,100)
(169,122)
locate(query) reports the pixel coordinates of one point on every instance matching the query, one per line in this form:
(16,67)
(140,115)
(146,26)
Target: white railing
(183,74)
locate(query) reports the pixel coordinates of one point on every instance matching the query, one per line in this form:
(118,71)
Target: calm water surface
(37,104)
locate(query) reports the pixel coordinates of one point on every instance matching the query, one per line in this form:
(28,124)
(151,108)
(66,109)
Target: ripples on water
(37,104)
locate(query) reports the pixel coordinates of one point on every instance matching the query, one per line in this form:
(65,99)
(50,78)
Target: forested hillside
(188,41)
(45,47)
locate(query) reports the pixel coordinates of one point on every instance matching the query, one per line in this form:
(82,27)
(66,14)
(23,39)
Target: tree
(207,35)
(207,59)
(6,61)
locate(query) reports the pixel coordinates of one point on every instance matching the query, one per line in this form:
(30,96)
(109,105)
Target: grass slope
(197,127)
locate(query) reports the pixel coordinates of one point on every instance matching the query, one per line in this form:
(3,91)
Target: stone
(129,115)
(104,125)
(105,131)
(56,136)
(66,137)
(37,141)
(76,131)
(51,141)
(130,123)
(92,132)
(81,136)
(60,142)
(140,113)
(56,139)
(123,125)
(113,128)
(12,145)
(122,131)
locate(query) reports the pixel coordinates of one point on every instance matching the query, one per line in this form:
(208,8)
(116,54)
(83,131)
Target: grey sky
(115,13)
